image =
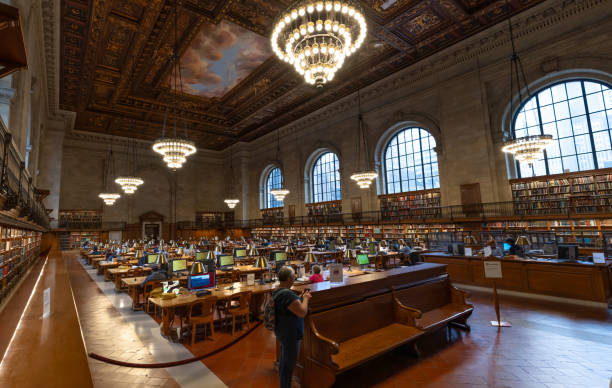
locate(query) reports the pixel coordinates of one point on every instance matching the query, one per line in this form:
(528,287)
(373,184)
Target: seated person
(94,251)
(316,276)
(160,273)
(143,259)
(156,250)
(514,249)
(110,255)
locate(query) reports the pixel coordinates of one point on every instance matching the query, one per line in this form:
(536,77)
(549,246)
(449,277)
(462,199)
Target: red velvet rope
(172,363)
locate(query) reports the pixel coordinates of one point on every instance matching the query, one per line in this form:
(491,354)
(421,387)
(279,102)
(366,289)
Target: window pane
(573,89)
(567,146)
(577,106)
(595,102)
(558,92)
(585,161)
(604,159)
(326,177)
(601,140)
(561,110)
(554,166)
(591,87)
(564,128)
(598,121)
(570,164)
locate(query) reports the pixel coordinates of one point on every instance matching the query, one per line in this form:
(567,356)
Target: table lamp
(161,260)
(309,260)
(179,251)
(290,251)
(523,242)
(210,255)
(470,240)
(253,251)
(262,263)
(138,254)
(197,268)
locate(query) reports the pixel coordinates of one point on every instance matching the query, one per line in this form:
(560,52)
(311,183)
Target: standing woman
(289,313)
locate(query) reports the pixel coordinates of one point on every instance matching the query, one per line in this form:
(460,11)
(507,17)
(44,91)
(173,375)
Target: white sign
(250,279)
(335,273)
(599,258)
(46,302)
(492,269)
(487,251)
(468,251)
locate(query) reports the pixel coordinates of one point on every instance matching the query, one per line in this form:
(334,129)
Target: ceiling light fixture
(109,196)
(527,149)
(281,192)
(175,150)
(129,182)
(316,37)
(364,176)
(230,201)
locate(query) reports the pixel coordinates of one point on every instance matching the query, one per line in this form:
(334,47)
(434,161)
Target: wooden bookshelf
(84,219)
(19,249)
(413,204)
(324,210)
(272,215)
(78,238)
(579,192)
(209,218)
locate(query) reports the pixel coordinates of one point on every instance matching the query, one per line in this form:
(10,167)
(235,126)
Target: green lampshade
(261,262)
(310,258)
(197,268)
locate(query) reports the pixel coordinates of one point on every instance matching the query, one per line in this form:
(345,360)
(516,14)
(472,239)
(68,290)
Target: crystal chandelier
(231,203)
(175,149)
(129,184)
(528,149)
(365,176)
(108,195)
(316,36)
(281,192)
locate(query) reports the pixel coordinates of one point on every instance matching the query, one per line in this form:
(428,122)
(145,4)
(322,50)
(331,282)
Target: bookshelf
(204,218)
(324,210)
(581,192)
(19,249)
(85,219)
(272,215)
(77,238)
(414,204)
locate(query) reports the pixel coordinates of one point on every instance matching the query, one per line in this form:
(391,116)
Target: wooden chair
(202,312)
(146,291)
(241,309)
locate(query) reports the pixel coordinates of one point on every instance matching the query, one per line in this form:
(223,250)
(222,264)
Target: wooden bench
(347,336)
(438,304)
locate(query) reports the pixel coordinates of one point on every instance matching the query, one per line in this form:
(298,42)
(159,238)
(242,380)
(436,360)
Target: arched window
(325,178)
(578,114)
(273,181)
(410,161)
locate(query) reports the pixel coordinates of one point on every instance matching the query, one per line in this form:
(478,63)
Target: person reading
(316,276)
(289,312)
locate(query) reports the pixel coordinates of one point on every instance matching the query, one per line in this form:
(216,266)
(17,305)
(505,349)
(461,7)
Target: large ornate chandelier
(109,198)
(365,175)
(316,36)
(528,149)
(108,195)
(280,193)
(364,178)
(129,184)
(231,203)
(174,150)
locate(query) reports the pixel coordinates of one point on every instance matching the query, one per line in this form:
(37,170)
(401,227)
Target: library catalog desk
(577,280)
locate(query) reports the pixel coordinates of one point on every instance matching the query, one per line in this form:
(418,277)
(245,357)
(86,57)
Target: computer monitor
(201,281)
(363,259)
(280,256)
(507,247)
(372,248)
(549,248)
(152,259)
(226,261)
(201,255)
(179,265)
(567,252)
(240,252)
(457,249)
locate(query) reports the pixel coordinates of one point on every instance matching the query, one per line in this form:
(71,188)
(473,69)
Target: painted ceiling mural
(117,62)
(219,57)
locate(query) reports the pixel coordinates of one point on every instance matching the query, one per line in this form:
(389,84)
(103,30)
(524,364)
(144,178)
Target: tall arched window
(410,161)
(273,181)
(325,179)
(578,114)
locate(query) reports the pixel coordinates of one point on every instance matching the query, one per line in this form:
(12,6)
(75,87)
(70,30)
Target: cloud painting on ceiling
(219,57)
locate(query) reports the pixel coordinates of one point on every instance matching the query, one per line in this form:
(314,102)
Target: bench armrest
(459,296)
(404,314)
(329,348)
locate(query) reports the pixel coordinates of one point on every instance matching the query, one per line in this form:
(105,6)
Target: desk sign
(492,269)
(468,251)
(335,273)
(599,258)
(487,251)
(251,279)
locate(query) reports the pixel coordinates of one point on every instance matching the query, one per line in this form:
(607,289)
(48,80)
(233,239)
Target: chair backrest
(426,297)
(243,297)
(150,285)
(235,276)
(346,322)
(203,307)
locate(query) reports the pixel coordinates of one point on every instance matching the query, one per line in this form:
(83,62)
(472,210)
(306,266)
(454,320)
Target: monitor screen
(506,247)
(201,255)
(372,248)
(240,252)
(280,256)
(332,245)
(363,259)
(152,259)
(225,261)
(198,282)
(179,265)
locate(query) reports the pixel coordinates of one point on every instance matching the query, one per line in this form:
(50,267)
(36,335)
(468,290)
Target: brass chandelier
(109,196)
(316,37)
(365,175)
(129,182)
(281,192)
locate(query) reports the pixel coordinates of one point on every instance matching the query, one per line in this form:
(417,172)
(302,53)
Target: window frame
(337,183)
(267,187)
(538,107)
(433,154)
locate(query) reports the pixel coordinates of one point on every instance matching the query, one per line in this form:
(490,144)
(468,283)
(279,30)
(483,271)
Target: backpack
(269,314)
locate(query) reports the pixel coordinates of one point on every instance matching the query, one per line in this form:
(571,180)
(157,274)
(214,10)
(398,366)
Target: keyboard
(225,269)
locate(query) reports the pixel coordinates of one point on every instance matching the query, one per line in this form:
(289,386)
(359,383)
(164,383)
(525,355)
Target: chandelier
(109,198)
(129,184)
(527,149)
(316,36)
(175,149)
(281,192)
(231,203)
(364,177)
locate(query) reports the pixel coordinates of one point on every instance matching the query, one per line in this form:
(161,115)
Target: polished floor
(549,345)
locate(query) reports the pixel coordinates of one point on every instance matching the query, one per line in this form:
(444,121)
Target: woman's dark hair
(316,269)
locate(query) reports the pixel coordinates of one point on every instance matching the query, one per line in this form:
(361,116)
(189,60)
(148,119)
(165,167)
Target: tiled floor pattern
(550,345)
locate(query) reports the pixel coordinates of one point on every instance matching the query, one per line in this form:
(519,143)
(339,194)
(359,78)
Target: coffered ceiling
(116,61)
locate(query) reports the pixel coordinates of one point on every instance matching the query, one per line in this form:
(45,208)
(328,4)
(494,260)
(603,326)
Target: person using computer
(316,276)
(159,273)
(110,255)
(142,260)
(512,248)
(289,313)
(95,250)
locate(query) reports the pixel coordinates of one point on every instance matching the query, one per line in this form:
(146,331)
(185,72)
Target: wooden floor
(550,345)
